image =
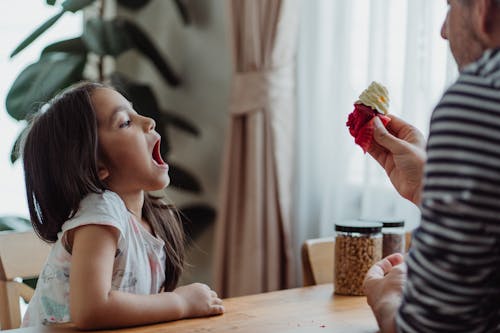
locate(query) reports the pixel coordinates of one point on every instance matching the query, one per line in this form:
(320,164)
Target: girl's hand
(199,300)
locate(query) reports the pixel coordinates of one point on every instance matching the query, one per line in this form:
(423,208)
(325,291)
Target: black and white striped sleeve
(454,265)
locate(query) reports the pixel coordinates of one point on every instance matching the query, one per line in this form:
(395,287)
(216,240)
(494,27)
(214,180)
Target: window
(343,46)
(19,19)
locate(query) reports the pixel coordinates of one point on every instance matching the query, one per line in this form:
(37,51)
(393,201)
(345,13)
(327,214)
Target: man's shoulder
(485,71)
(471,105)
(477,89)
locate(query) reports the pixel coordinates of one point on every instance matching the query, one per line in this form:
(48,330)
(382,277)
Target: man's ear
(102,171)
(484,21)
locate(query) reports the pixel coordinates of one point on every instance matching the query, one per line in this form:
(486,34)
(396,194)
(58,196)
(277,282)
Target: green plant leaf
(42,80)
(31,282)
(51,2)
(74,45)
(180,122)
(183,179)
(143,43)
(106,37)
(183,12)
(35,34)
(75,5)
(14,153)
(196,218)
(133,4)
(14,223)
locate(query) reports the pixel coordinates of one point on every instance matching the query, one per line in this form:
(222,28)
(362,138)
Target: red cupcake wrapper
(360,123)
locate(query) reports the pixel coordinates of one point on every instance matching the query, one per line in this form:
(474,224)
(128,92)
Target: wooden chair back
(318,255)
(22,255)
(317,261)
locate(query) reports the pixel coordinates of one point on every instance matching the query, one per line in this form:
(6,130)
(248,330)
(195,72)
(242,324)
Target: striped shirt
(454,266)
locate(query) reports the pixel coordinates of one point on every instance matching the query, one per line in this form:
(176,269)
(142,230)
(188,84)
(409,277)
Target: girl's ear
(102,171)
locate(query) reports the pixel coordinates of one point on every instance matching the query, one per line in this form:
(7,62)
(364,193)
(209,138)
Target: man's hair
(469,2)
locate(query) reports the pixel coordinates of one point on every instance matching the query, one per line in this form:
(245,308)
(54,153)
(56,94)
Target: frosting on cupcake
(375,96)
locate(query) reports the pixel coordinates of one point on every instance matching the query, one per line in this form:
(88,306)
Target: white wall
(200,54)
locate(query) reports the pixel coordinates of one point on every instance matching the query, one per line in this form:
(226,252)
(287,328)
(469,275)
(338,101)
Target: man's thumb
(382,136)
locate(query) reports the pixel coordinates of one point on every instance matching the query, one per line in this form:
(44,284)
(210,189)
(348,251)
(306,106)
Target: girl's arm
(94,305)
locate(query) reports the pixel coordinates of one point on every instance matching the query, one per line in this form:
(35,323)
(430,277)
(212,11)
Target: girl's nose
(149,124)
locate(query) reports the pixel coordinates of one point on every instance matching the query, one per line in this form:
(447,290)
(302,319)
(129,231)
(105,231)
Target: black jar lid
(387,222)
(363,227)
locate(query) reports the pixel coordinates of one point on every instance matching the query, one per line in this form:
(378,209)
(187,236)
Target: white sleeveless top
(139,265)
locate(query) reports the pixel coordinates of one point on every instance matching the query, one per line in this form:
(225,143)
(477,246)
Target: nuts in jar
(358,246)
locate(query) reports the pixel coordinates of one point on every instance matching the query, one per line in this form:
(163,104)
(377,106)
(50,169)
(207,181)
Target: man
(452,283)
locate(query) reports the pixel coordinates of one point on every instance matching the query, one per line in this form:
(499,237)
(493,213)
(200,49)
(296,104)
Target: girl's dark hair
(60,153)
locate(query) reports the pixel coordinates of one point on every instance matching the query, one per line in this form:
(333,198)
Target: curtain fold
(252,242)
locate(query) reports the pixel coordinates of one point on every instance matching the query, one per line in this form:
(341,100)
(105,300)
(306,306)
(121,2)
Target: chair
(22,255)
(318,259)
(408,236)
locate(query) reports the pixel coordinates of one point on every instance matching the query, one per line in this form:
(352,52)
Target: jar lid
(363,227)
(389,222)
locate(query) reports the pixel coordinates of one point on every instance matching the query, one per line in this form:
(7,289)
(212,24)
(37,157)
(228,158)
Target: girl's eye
(125,124)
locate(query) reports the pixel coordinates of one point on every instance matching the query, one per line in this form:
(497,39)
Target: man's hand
(383,287)
(400,150)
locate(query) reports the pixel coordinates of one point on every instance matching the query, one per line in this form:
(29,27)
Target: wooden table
(309,309)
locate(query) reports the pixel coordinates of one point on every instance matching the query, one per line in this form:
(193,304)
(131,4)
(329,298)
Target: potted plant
(63,63)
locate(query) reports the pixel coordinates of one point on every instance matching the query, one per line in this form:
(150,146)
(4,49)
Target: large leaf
(106,37)
(180,122)
(182,179)
(42,80)
(51,2)
(144,102)
(68,5)
(75,5)
(74,45)
(14,153)
(143,43)
(14,223)
(133,4)
(35,34)
(182,8)
(116,36)
(196,218)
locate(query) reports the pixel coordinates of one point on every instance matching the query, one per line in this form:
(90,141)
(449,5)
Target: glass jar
(358,245)
(393,231)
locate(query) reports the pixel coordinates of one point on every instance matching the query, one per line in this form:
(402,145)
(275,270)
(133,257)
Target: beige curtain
(252,245)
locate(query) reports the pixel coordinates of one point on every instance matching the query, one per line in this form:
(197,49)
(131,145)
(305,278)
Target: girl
(89,160)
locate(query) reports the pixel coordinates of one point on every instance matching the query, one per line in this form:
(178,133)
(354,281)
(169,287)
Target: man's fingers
(395,259)
(378,270)
(384,266)
(396,123)
(384,138)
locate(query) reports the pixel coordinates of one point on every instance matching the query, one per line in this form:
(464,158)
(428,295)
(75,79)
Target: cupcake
(373,102)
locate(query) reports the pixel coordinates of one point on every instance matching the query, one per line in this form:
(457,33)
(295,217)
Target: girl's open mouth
(157,154)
